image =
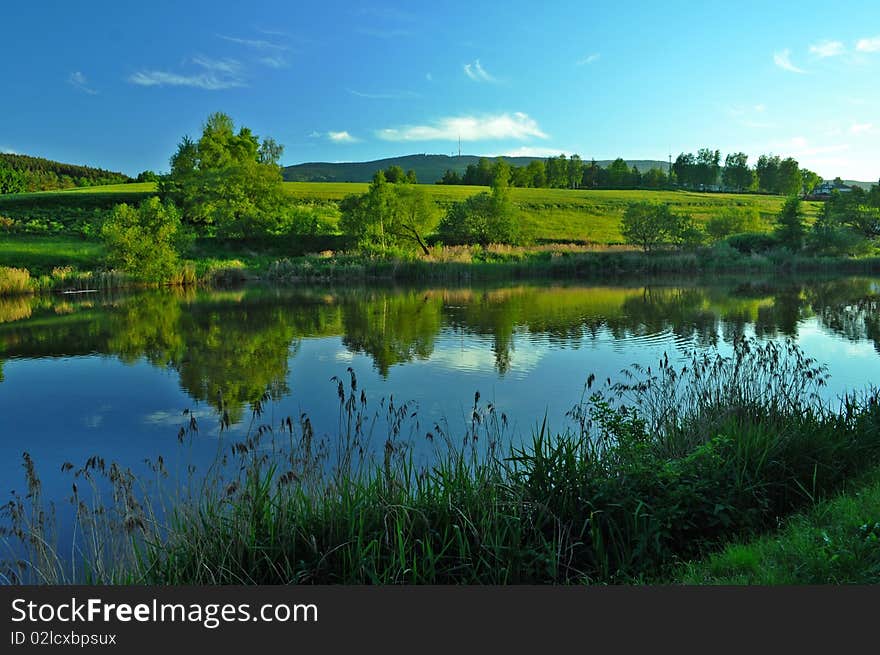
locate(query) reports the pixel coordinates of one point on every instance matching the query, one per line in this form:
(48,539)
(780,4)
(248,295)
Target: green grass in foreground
(836,542)
(664,468)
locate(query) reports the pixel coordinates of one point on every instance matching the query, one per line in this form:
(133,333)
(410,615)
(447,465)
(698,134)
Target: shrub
(752,242)
(145,241)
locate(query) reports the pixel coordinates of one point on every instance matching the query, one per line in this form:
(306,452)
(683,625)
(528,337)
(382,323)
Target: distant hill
(865,185)
(428,168)
(25,173)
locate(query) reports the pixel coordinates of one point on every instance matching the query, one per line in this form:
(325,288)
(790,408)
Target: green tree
(707,167)
(790,181)
(737,174)
(790,227)
(685,169)
(228,179)
(647,225)
(619,174)
(145,241)
(415,216)
(483,218)
(809,180)
(767,171)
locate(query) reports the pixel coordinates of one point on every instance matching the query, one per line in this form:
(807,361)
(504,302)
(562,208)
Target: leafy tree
(767,171)
(147,176)
(809,180)
(228,179)
(654,178)
(619,174)
(707,167)
(483,218)
(537,174)
(144,241)
(646,224)
(789,180)
(685,169)
(790,227)
(411,177)
(575,171)
(450,177)
(394,174)
(737,174)
(414,217)
(11,180)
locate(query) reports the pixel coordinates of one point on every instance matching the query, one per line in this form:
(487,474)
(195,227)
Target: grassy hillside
(428,168)
(546,214)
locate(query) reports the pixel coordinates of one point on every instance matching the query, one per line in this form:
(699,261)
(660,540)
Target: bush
(145,241)
(479,220)
(752,242)
(733,220)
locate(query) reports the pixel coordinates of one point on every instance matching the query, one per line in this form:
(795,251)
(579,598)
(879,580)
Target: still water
(111,375)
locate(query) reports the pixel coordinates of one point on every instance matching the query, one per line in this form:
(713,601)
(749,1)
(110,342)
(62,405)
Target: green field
(40,254)
(546,214)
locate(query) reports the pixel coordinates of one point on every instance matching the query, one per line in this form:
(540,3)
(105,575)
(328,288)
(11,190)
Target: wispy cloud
(379,33)
(783,60)
(589,59)
(217,74)
(827,48)
(79,82)
(8,151)
(429,77)
(273,62)
(225,66)
(476,72)
(388,95)
(259,44)
(752,117)
(871,44)
(861,128)
(469,128)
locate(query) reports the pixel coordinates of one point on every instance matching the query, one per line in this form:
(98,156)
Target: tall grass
(664,465)
(14,281)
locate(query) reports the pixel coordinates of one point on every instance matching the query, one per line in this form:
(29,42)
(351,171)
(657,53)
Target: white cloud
(469,128)
(860,128)
(78,81)
(273,62)
(383,34)
(8,151)
(476,72)
(589,59)
(869,45)
(783,60)
(218,74)
(533,151)
(390,95)
(760,108)
(827,48)
(341,137)
(227,66)
(259,44)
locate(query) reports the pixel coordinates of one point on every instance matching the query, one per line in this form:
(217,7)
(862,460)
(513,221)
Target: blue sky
(117,84)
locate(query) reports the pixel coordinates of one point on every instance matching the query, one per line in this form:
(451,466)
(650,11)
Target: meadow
(546,215)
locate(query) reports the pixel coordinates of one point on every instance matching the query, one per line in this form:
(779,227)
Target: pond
(111,375)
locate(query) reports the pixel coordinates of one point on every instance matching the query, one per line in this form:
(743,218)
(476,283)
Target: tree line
(703,170)
(24,174)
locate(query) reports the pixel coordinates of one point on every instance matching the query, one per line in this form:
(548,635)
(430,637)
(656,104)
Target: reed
(664,465)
